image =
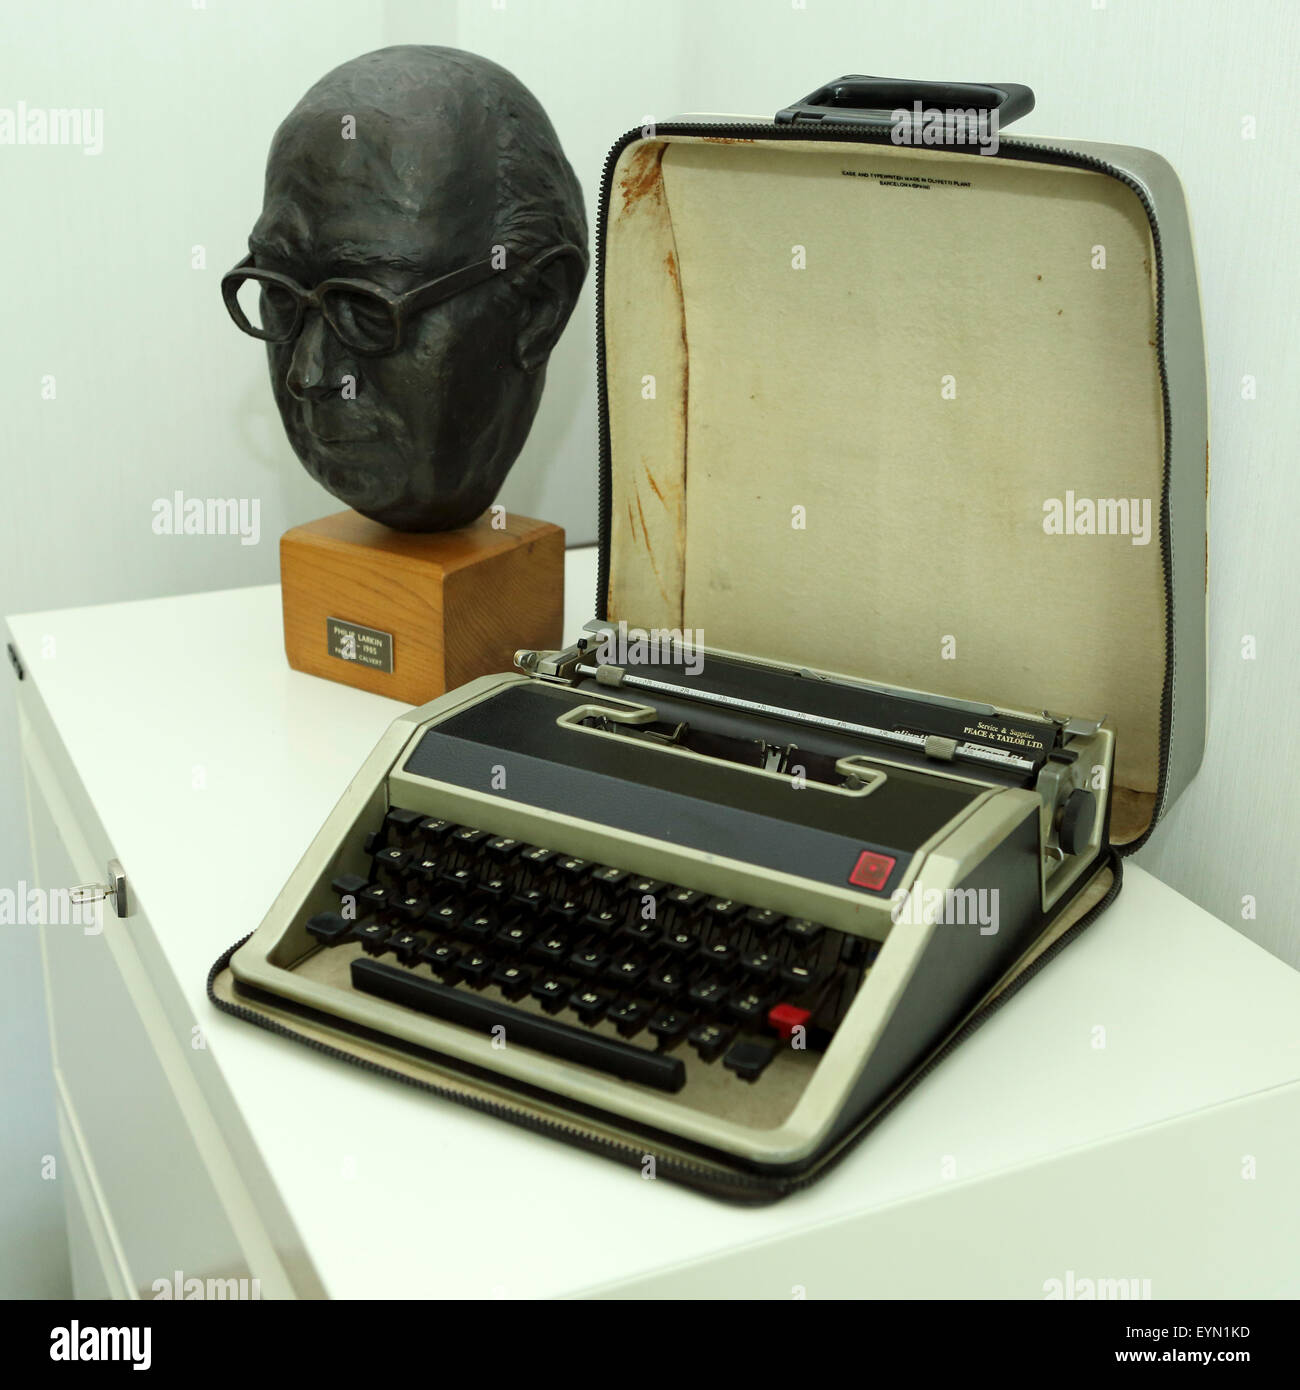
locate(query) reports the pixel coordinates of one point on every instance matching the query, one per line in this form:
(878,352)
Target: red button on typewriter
(871,870)
(785,1018)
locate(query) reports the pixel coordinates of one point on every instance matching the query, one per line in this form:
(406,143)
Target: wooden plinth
(456,604)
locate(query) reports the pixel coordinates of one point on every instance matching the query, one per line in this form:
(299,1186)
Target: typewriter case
(843,383)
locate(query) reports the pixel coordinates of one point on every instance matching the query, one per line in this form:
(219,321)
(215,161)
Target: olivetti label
(363,645)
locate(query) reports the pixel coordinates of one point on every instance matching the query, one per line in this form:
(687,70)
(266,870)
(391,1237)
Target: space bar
(544,1034)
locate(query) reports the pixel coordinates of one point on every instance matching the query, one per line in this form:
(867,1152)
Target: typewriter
(727,903)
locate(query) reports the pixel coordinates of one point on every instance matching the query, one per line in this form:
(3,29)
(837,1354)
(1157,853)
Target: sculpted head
(421,246)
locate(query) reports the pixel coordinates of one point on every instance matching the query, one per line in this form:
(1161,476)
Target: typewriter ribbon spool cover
(912,439)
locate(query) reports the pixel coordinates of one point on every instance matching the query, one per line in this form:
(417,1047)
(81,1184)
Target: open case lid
(865,408)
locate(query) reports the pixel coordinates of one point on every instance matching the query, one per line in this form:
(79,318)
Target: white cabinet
(1030,1152)
(152,1202)
(143,1202)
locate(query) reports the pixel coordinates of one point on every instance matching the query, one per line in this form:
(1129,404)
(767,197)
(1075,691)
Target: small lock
(115,888)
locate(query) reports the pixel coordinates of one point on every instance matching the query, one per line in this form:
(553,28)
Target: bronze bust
(421,246)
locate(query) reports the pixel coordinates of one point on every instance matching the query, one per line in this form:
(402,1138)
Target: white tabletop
(397,1194)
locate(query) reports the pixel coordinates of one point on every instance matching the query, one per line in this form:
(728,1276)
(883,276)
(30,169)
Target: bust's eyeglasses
(363,316)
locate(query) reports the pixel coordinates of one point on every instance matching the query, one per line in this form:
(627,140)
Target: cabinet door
(158,1208)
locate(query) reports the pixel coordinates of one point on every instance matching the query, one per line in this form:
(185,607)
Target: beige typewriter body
(793,1111)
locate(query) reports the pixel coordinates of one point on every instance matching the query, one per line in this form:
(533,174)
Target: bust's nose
(307,377)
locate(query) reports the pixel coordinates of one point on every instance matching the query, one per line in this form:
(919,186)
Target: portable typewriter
(720,902)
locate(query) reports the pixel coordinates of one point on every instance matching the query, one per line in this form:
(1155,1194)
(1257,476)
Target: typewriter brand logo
(951,125)
(656,646)
(1099,516)
(947,907)
(1074,1286)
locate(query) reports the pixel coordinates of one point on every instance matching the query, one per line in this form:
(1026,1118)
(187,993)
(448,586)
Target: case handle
(858,100)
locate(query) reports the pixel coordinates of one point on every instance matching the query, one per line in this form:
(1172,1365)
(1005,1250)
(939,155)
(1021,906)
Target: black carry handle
(858,100)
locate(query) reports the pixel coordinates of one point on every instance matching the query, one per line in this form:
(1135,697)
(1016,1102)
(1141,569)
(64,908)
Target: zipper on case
(1023,149)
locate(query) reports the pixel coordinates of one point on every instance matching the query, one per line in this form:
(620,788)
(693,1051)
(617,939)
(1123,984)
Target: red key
(871,870)
(785,1018)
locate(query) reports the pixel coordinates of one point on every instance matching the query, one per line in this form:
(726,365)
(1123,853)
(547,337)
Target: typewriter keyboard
(491,933)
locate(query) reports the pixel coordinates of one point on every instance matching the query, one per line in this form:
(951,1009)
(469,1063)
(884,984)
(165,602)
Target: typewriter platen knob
(1078,816)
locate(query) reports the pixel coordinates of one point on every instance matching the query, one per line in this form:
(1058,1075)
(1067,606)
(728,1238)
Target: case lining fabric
(829,359)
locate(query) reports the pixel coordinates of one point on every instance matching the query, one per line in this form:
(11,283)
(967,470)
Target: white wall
(157,392)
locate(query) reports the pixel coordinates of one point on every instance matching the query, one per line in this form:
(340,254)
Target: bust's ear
(549,289)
